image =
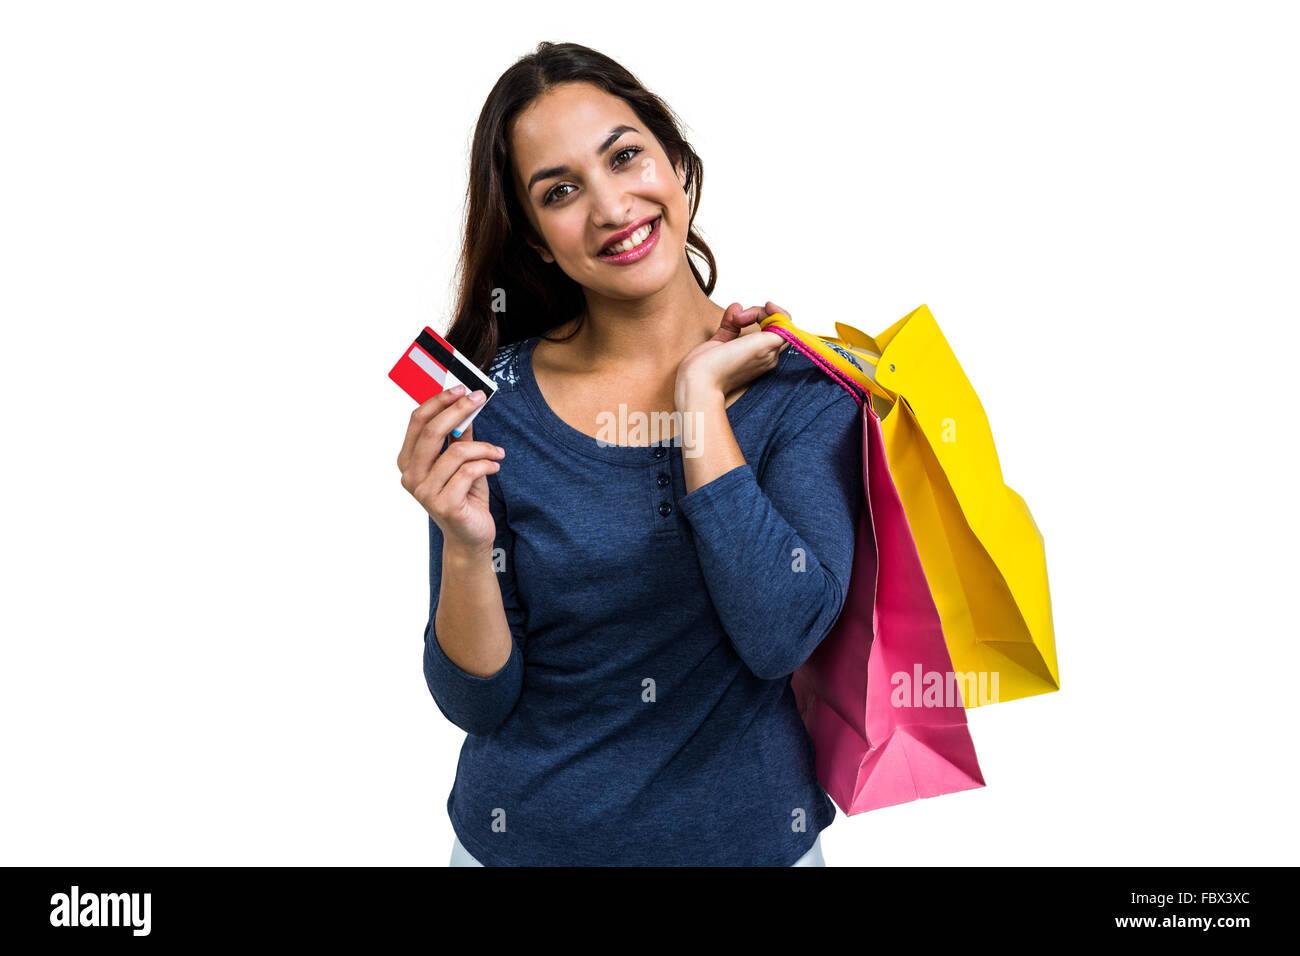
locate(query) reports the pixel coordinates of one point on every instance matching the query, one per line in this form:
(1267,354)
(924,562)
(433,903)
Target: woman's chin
(645,277)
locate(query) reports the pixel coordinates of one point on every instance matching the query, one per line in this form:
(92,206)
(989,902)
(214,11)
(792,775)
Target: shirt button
(659,453)
(665,508)
(662,481)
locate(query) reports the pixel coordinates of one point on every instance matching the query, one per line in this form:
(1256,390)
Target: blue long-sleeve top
(645,715)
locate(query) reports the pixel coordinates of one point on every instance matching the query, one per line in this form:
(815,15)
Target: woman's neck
(651,333)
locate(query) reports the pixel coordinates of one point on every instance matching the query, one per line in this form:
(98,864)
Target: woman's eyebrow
(614,134)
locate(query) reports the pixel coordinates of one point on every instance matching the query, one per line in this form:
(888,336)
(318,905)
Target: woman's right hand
(451,483)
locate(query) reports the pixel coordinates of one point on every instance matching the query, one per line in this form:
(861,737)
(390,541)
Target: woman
(615,609)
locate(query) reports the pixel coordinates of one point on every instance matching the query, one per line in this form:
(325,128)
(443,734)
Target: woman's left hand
(730,359)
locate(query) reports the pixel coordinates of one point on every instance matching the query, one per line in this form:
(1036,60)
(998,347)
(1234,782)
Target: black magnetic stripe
(464,372)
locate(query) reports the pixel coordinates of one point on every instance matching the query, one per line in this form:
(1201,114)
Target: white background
(221,222)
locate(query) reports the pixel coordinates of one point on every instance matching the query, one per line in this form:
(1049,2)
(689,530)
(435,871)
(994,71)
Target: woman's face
(586,168)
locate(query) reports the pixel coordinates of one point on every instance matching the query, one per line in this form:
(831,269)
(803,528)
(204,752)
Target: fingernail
(476,396)
(458,390)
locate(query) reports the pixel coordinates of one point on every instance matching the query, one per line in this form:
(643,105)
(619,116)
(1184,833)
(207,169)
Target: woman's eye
(630,149)
(551,197)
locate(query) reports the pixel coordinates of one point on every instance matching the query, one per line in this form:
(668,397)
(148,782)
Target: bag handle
(857,339)
(846,355)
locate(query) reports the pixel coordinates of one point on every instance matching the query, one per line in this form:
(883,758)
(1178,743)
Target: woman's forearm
(709,447)
(470,624)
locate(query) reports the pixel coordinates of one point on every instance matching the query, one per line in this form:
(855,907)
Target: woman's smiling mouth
(635,246)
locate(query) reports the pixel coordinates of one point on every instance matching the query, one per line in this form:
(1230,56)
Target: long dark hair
(496,261)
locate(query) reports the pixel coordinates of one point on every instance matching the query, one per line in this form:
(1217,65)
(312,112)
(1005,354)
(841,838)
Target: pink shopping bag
(878,696)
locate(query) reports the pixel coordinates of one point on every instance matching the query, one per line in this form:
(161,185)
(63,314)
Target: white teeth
(632,241)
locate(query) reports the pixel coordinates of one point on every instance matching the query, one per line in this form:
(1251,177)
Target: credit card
(431,365)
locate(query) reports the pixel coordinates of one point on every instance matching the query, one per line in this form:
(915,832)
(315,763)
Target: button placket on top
(662,493)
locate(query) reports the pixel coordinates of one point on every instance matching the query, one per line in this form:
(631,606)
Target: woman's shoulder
(500,419)
(809,385)
(504,369)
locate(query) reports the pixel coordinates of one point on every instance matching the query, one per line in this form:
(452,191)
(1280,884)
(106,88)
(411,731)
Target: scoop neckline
(588,445)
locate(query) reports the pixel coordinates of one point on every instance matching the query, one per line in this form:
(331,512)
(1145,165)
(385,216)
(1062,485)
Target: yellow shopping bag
(981,550)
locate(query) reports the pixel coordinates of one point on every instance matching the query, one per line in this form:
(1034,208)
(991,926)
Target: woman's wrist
(458,558)
(692,395)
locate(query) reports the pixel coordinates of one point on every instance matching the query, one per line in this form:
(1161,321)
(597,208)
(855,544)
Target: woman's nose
(611,207)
